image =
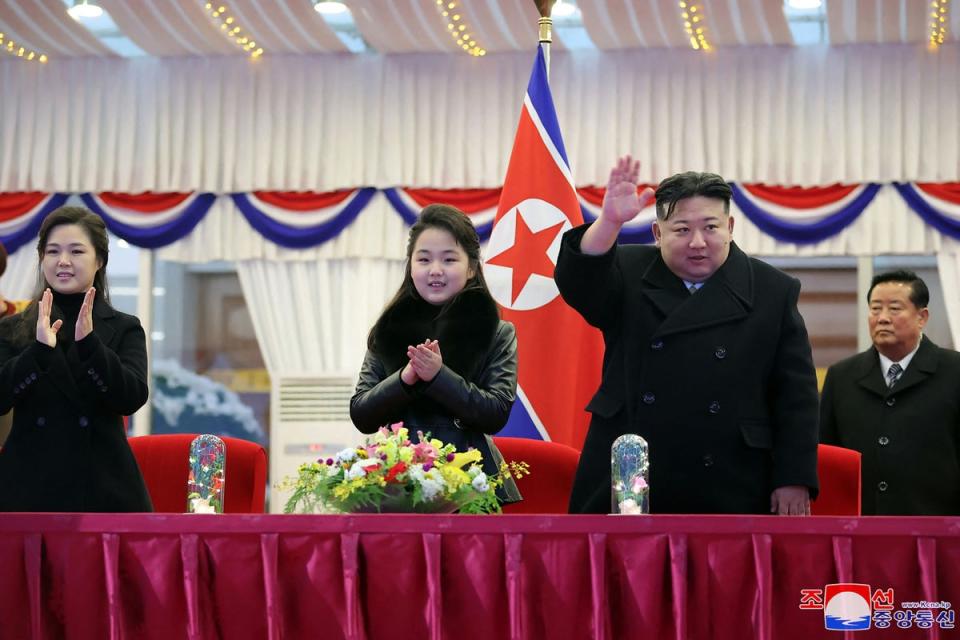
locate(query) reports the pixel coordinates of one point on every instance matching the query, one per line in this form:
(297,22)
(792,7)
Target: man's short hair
(919,294)
(687,185)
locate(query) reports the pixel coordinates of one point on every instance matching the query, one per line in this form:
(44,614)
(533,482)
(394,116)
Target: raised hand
(425,359)
(47,333)
(621,202)
(85,317)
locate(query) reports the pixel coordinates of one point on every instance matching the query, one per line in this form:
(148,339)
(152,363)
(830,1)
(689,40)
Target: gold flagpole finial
(546,29)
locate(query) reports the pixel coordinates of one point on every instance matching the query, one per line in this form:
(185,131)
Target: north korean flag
(560,355)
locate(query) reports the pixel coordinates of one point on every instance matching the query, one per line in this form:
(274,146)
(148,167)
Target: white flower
(416,472)
(431,488)
(474,471)
(480,483)
(354,472)
(369,462)
(345,455)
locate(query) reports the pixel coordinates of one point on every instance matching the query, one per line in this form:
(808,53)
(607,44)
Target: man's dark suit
(721,383)
(909,435)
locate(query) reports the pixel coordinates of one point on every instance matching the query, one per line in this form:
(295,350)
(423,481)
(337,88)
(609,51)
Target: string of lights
(11,48)
(228,24)
(693,24)
(450,11)
(938,22)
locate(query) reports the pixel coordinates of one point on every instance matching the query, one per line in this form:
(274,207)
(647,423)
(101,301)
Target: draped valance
(779,116)
(811,221)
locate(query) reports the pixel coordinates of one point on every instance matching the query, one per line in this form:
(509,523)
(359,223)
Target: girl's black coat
(468,400)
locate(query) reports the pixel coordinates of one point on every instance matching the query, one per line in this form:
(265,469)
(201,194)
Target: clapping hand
(425,359)
(46,332)
(621,202)
(85,317)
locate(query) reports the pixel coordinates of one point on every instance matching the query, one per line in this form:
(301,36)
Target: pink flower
(424,452)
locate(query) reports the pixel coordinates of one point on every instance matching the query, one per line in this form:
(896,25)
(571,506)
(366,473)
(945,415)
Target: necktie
(893,373)
(693,289)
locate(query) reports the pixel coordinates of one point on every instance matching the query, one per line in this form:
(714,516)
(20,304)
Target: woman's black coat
(67,450)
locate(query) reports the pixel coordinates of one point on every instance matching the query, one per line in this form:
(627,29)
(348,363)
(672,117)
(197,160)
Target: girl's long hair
(456,222)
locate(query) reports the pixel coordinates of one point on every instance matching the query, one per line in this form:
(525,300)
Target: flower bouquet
(390,474)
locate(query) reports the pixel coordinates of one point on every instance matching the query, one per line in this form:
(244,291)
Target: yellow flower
(454,477)
(361,453)
(462,459)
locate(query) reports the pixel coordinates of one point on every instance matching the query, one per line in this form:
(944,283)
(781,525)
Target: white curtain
(20,278)
(777,115)
(313,317)
(948,265)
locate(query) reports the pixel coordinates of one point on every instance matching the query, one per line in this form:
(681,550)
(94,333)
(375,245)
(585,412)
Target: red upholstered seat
(164,462)
(552,466)
(839,472)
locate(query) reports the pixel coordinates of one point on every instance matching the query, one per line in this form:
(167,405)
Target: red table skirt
(431,577)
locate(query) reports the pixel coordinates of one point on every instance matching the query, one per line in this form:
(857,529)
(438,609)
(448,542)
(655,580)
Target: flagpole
(545,28)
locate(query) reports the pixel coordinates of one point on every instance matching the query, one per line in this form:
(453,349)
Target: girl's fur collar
(464,327)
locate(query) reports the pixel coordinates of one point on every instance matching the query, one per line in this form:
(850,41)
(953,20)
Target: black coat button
(41,421)
(720,353)
(649,398)
(33,376)
(891,402)
(708,460)
(714,407)
(90,370)
(884,441)
(23,385)
(656,345)
(83,421)
(882,485)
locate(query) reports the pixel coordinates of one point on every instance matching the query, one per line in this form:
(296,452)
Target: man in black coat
(898,404)
(706,357)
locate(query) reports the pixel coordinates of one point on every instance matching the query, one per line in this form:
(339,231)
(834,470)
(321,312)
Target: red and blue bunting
(150,220)
(298,220)
(22,213)
(479,204)
(937,204)
(803,215)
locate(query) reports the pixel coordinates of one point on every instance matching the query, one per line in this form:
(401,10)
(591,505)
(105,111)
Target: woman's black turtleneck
(69,306)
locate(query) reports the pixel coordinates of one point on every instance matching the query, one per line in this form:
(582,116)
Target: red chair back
(552,467)
(838,470)
(164,462)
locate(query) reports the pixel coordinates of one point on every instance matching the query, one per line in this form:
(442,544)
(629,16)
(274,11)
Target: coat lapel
(923,365)
(102,312)
(869,375)
(103,328)
(726,297)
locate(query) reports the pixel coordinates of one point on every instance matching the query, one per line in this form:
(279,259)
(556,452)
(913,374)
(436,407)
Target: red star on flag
(528,255)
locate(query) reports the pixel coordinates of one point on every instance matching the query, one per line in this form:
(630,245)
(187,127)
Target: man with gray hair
(707,356)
